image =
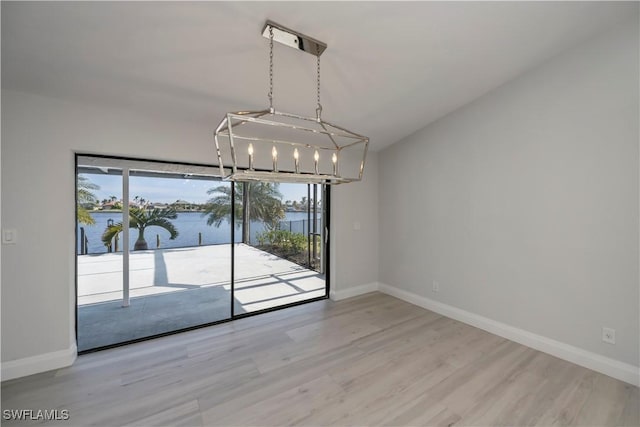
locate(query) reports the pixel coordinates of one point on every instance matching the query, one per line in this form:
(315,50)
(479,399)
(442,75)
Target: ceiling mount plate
(294,39)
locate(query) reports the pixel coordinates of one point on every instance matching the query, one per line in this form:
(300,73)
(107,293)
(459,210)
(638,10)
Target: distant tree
(85,196)
(141,219)
(264,204)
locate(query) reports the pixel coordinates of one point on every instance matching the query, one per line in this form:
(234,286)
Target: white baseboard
(605,365)
(353,291)
(40,363)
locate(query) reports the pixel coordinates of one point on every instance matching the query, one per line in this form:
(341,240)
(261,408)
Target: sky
(168,190)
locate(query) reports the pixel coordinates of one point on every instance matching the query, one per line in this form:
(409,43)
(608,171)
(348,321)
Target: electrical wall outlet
(609,335)
(436,287)
(9,236)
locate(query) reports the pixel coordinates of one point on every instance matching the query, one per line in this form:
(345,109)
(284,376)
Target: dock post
(82,238)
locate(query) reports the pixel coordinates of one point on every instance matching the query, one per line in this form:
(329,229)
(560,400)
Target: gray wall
(524,204)
(355,230)
(39,138)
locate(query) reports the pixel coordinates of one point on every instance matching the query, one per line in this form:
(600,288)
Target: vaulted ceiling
(390,67)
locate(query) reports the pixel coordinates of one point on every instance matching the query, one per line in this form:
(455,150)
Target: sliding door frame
(326,190)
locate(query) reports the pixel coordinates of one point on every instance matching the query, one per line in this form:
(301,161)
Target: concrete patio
(177,288)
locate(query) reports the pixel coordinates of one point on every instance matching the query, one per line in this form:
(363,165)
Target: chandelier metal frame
(336,138)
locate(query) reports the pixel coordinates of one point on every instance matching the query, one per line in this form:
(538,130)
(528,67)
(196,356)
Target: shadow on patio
(173,289)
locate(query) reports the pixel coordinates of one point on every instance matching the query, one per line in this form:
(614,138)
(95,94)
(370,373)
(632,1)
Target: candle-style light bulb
(316,157)
(250,151)
(334,159)
(296,158)
(274,154)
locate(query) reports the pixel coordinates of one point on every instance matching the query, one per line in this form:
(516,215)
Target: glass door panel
(176,271)
(274,264)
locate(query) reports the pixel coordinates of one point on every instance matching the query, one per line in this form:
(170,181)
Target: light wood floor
(370,360)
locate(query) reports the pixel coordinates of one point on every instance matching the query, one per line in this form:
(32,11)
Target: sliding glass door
(155,252)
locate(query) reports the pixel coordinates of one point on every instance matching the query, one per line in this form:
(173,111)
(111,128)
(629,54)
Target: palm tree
(85,196)
(263,202)
(141,219)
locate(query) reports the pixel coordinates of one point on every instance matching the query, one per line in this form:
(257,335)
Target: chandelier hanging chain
(271,110)
(319,108)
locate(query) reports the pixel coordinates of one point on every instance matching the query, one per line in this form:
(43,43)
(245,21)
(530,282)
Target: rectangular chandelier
(282,147)
(273,146)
